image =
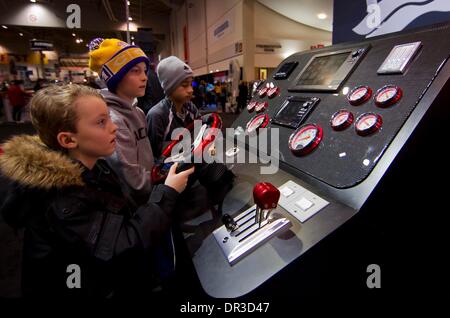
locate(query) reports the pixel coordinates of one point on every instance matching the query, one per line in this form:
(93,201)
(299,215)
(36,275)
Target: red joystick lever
(266,197)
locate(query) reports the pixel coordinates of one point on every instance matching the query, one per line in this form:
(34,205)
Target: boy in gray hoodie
(123,68)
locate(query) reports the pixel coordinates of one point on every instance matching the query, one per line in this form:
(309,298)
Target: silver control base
(239,243)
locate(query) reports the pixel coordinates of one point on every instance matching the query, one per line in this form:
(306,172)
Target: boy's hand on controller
(178,181)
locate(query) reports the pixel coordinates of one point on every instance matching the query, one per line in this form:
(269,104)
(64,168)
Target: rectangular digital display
(327,72)
(288,113)
(294,111)
(399,58)
(322,70)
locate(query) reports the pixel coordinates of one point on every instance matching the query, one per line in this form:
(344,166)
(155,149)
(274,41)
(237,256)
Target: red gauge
(273,92)
(368,123)
(263,91)
(388,95)
(305,139)
(341,119)
(251,105)
(359,95)
(257,122)
(261,106)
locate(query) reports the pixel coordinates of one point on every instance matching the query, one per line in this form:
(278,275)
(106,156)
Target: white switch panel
(300,203)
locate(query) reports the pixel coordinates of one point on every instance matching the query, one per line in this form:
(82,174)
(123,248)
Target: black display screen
(289,112)
(322,70)
(285,70)
(294,111)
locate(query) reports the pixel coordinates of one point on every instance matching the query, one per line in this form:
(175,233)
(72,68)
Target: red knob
(266,195)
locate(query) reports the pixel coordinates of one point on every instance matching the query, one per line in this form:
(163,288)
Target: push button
(286,191)
(304,204)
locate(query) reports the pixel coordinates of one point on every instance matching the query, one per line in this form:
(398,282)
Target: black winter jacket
(162,121)
(73,215)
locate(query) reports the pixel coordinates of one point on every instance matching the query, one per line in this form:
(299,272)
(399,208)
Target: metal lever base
(241,242)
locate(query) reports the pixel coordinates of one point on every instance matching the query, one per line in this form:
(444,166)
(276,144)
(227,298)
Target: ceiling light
(130,18)
(33,1)
(4,27)
(73,34)
(21,34)
(322,16)
(128,2)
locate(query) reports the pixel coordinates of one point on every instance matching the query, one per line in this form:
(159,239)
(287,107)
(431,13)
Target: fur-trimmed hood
(29,162)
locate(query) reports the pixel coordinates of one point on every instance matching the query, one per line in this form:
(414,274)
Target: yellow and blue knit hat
(113,58)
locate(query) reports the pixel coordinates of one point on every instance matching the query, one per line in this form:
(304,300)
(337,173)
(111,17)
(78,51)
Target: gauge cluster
(294,110)
(348,122)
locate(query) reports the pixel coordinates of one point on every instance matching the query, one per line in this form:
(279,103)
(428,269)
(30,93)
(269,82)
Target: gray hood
(133,159)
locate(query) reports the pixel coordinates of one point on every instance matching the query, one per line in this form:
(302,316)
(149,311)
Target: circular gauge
(257,122)
(368,123)
(359,95)
(261,106)
(305,139)
(272,92)
(251,105)
(341,119)
(263,91)
(388,95)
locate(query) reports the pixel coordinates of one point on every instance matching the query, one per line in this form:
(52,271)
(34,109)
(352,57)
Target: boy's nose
(113,128)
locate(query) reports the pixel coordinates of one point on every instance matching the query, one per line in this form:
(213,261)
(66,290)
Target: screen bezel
(294,122)
(290,66)
(339,76)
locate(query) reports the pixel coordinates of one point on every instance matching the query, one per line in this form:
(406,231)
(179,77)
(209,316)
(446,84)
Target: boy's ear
(67,140)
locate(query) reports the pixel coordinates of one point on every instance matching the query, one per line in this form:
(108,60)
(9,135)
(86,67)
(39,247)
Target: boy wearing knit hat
(176,110)
(123,68)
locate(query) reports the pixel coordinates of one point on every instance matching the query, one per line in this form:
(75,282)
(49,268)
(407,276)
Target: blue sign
(363,19)
(221,28)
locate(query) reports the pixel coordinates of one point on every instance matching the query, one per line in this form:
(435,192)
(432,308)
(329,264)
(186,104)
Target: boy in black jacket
(177,111)
(76,217)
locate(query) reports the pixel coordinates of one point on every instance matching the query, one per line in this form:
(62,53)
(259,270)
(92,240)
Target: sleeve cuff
(161,191)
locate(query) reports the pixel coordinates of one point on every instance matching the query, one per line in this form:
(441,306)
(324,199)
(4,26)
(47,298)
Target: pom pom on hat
(113,58)
(95,44)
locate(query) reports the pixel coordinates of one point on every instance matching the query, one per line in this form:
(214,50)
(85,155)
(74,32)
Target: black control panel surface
(374,112)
